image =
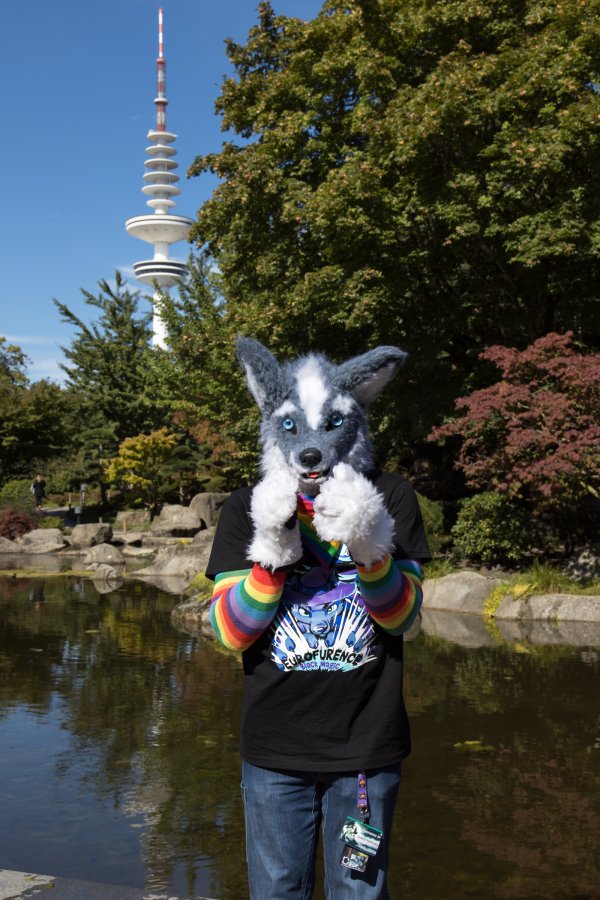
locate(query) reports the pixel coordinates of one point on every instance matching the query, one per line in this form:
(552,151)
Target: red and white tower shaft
(161,76)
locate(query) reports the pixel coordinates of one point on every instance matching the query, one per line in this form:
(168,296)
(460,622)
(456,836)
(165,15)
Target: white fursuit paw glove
(350,509)
(272,507)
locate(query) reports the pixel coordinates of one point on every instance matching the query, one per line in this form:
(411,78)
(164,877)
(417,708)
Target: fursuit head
(315,441)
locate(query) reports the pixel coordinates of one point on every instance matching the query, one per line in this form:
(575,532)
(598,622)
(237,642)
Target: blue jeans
(284,811)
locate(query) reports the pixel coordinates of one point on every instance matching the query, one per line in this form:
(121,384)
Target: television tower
(161,228)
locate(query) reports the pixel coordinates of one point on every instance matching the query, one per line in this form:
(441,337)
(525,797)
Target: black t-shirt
(323,684)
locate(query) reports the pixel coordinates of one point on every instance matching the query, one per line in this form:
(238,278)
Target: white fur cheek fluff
(273,504)
(350,509)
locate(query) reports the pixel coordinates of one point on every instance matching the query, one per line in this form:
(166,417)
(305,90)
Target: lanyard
(362,798)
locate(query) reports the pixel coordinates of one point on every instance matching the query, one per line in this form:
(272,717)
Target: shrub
(492,529)
(535,433)
(17,493)
(15,522)
(50,522)
(433,520)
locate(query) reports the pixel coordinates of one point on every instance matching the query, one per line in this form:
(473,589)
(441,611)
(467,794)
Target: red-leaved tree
(535,434)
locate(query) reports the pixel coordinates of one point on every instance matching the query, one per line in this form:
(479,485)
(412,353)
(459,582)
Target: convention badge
(360,837)
(354,859)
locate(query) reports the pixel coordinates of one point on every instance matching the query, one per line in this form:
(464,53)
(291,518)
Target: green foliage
(439,568)
(543,578)
(15,522)
(433,520)
(17,493)
(50,522)
(201,380)
(108,370)
(12,364)
(491,529)
(140,463)
(32,417)
(418,174)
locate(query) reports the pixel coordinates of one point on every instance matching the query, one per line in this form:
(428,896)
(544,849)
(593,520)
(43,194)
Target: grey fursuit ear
(365,376)
(263,373)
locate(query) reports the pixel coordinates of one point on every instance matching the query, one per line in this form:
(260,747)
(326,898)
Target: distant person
(38,489)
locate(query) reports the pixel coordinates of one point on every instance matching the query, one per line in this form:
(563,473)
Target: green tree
(419,174)
(34,417)
(139,466)
(199,377)
(108,363)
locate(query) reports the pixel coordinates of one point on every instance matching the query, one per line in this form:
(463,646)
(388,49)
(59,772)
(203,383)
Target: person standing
(38,489)
(317,572)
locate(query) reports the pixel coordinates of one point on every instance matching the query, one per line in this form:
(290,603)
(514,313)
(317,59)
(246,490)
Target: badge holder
(360,839)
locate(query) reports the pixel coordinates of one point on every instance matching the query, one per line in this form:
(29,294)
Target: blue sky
(79,86)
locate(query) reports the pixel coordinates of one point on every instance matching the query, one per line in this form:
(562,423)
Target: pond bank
(475,610)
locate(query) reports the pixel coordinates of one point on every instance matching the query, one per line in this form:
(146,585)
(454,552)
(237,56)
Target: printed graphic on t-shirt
(322,624)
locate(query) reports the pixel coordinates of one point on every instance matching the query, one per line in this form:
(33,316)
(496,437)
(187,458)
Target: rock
(179,521)
(128,538)
(585,565)
(42,540)
(134,552)
(204,541)
(551,608)
(8,546)
(90,535)
(464,592)
(207,506)
(181,563)
(133,520)
(104,553)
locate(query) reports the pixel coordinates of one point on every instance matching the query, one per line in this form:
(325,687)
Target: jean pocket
(243,790)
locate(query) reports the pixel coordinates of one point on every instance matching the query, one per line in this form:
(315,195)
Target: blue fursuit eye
(288,424)
(335,420)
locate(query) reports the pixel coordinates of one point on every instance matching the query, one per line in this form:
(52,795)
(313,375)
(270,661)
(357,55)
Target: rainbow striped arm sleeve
(244,604)
(392,591)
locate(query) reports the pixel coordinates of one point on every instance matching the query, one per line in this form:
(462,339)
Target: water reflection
(118,754)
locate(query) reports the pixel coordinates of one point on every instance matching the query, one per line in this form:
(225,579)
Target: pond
(118,755)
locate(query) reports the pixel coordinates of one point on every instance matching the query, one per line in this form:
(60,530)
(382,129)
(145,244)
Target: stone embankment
(167,552)
(473,610)
(476,610)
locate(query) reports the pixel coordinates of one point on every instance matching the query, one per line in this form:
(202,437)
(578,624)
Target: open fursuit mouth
(314,475)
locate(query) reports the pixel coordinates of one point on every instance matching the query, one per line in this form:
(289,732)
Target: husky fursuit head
(315,441)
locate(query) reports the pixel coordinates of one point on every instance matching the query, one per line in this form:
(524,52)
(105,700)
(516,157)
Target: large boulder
(8,546)
(174,567)
(89,535)
(464,592)
(133,520)
(207,506)
(204,541)
(178,521)
(42,540)
(104,553)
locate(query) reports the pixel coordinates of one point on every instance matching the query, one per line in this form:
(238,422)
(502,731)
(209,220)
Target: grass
(437,568)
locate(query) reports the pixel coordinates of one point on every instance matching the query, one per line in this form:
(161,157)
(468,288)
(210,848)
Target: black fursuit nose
(310,457)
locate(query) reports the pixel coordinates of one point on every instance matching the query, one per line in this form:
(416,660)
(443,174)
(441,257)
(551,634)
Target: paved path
(22,885)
